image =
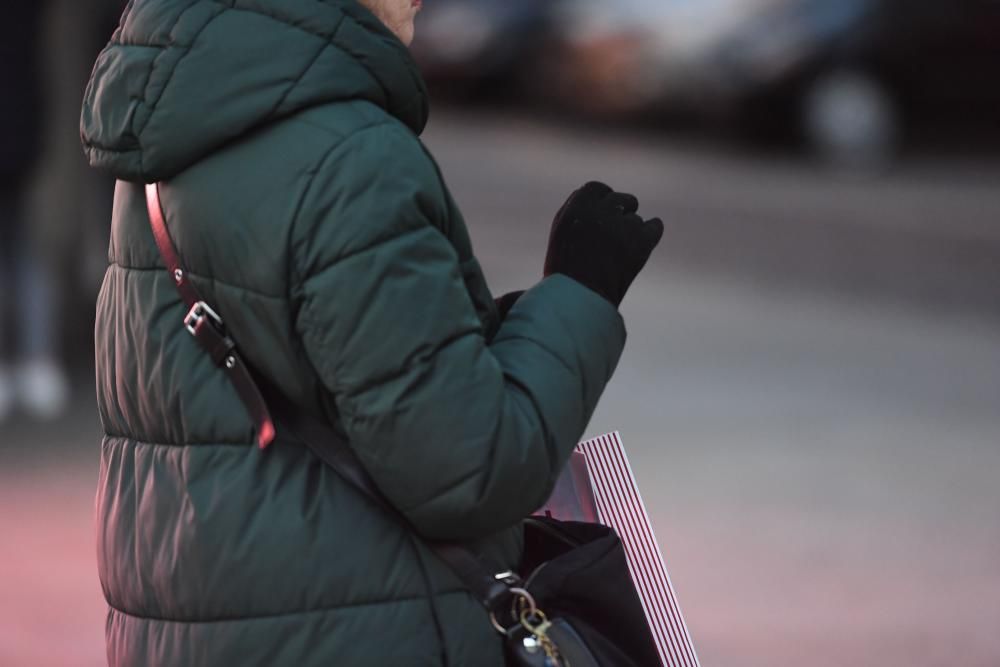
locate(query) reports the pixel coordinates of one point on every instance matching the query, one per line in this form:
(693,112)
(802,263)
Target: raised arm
(465,437)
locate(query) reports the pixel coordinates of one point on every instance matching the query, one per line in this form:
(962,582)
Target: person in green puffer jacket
(284,134)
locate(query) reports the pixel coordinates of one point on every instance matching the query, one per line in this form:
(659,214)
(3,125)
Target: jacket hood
(181,78)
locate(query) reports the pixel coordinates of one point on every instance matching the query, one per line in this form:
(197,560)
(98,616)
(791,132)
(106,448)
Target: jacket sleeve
(465,437)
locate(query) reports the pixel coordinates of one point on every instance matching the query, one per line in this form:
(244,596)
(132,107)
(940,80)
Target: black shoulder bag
(575,572)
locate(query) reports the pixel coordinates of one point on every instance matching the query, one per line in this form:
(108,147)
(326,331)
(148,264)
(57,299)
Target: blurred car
(853,75)
(628,56)
(471,46)
(847,75)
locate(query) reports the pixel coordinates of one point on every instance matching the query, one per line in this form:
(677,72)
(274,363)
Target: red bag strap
(207,326)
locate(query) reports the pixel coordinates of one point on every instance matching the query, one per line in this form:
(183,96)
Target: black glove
(600,241)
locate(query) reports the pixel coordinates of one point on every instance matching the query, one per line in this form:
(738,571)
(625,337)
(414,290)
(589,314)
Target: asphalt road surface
(819,450)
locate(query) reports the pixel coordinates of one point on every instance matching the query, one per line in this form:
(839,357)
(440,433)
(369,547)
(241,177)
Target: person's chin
(406,35)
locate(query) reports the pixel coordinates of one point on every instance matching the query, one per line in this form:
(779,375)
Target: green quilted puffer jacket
(307,211)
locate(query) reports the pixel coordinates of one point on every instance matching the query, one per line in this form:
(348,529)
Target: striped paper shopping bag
(598,486)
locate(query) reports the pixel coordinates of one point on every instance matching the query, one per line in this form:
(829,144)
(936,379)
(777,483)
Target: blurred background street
(811,390)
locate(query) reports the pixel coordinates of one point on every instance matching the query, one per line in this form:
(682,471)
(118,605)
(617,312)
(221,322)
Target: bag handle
(495,592)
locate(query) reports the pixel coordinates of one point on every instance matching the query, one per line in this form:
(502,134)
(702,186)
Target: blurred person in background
(305,209)
(67,202)
(30,371)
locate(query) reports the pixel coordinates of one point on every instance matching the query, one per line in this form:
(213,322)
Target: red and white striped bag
(598,487)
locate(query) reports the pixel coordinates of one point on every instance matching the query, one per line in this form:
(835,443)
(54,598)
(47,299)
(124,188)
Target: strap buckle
(199,312)
(508,578)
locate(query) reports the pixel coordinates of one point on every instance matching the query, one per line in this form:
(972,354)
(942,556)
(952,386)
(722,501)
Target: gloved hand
(600,241)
